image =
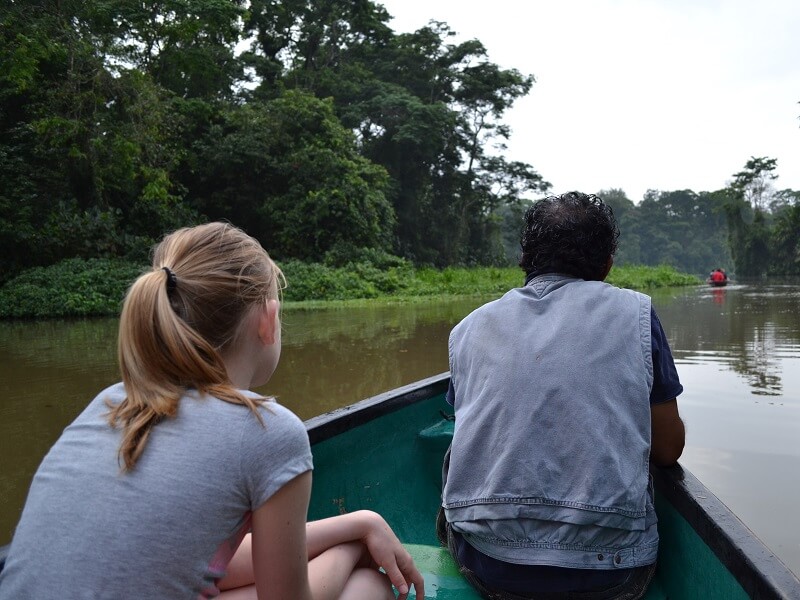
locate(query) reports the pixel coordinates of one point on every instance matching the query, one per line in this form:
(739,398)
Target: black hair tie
(172,280)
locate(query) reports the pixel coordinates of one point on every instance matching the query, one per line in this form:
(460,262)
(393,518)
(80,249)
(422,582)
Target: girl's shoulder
(274,452)
(276,420)
(273,425)
(113,394)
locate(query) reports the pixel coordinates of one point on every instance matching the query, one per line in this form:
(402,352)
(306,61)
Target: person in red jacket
(718,276)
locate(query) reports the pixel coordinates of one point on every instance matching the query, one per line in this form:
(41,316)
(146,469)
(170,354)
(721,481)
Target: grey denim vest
(549,460)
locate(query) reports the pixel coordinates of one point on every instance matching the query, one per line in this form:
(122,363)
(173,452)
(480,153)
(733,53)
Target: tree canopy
(314,126)
(748,227)
(763,224)
(681,228)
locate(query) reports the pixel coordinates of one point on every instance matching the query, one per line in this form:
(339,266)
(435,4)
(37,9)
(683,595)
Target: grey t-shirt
(166,529)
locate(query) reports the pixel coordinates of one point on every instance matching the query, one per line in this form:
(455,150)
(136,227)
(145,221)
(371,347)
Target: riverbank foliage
(71,288)
(96,287)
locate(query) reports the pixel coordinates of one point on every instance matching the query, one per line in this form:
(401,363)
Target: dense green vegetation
(96,287)
(72,288)
(312,125)
(315,127)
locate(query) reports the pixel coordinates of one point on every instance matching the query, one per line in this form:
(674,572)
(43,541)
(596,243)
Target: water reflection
(333,357)
(737,350)
(747,328)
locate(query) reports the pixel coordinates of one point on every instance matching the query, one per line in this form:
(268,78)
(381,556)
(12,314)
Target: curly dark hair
(574,234)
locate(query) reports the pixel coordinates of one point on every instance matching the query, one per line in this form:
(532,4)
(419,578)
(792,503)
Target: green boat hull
(385,454)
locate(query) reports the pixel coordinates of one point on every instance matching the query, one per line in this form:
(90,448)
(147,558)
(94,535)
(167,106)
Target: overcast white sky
(647,94)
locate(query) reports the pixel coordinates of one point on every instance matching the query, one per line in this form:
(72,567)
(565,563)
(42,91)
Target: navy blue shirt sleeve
(666,384)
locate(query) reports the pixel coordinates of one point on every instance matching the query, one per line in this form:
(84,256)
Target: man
(564,391)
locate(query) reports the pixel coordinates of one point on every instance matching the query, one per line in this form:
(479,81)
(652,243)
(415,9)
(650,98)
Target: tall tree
(748,226)
(428,110)
(186,46)
(437,127)
(85,150)
(785,240)
(626,214)
(754,182)
(288,172)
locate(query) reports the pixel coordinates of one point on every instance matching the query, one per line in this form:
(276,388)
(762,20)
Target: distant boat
(717,278)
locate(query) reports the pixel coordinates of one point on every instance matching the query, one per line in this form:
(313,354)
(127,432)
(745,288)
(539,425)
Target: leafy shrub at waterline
(315,281)
(637,277)
(462,281)
(96,287)
(75,287)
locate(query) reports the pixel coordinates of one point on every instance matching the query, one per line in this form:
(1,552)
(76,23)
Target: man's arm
(668,434)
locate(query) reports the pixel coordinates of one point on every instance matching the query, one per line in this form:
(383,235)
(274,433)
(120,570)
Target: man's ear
(609,264)
(268,322)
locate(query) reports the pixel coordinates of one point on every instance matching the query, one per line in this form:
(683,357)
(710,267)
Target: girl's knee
(368,584)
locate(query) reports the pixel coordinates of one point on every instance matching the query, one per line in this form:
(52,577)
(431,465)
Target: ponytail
(176,320)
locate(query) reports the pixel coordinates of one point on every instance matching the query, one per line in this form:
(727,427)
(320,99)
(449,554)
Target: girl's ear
(268,322)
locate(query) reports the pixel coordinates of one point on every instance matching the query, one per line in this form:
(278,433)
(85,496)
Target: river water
(737,350)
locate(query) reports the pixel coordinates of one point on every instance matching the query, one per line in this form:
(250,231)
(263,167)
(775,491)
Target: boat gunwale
(757,569)
(330,424)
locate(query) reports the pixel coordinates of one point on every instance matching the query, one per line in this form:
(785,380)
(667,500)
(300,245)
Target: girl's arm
(374,532)
(283,544)
(280,558)
(272,561)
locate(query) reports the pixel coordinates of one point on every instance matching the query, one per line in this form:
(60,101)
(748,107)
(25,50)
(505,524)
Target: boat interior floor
(444,582)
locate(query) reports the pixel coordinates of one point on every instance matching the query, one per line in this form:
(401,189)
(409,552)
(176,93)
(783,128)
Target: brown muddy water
(737,350)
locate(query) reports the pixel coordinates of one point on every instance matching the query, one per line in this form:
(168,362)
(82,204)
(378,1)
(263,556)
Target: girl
(152,491)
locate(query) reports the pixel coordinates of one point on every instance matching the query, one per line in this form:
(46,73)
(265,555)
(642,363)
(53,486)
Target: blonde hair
(177,320)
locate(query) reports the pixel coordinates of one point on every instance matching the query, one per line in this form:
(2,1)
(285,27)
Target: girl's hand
(388,553)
